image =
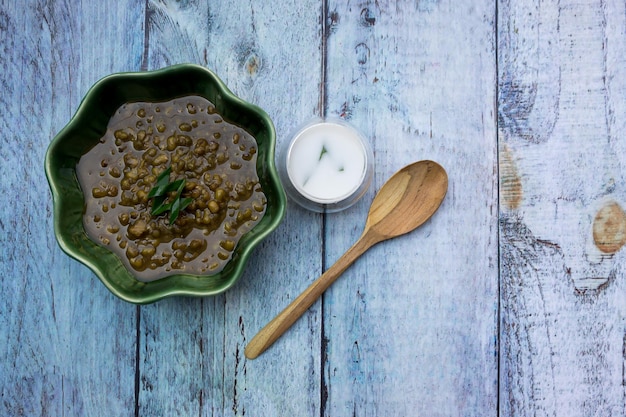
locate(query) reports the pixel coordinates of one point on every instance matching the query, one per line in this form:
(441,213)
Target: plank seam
(499,267)
(323,112)
(137,356)
(144,67)
(146,37)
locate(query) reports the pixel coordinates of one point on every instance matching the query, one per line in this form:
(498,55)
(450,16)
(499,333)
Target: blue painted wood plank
(412,326)
(562,77)
(68,345)
(192,359)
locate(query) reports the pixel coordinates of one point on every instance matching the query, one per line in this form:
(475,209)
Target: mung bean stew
(212,159)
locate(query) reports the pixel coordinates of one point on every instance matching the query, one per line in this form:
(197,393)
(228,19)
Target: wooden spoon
(409,198)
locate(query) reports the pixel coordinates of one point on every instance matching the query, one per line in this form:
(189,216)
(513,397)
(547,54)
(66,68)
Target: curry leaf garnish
(161,187)
(323,152)
(177,206)
(160,193)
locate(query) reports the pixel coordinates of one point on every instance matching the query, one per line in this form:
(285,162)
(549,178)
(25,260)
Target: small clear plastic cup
(327,166)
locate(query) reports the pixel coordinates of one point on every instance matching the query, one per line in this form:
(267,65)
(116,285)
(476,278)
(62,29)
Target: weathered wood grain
(68,346)
(562,117)
(193,362)
(412,326)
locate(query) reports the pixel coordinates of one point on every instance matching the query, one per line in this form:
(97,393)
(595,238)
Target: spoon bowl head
(409,198)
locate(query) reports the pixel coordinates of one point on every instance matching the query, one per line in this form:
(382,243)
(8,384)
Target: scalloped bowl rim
(140,292)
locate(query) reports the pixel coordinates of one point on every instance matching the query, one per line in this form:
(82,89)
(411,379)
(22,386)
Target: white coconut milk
(327,162)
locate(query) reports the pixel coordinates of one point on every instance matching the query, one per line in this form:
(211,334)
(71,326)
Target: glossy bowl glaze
(86,129)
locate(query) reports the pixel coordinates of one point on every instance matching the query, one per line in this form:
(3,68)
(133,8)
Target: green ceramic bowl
(85,130)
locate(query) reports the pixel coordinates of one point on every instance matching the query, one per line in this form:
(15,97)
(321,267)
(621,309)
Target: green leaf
(177,186)
(161,208)
(185,202)
(161,195)
(324,152)
(161,187)
(174,211)
(177,206)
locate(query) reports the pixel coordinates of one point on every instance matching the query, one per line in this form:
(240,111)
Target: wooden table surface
(510,301)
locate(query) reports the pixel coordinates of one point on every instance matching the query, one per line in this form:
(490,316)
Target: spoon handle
(283,321)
